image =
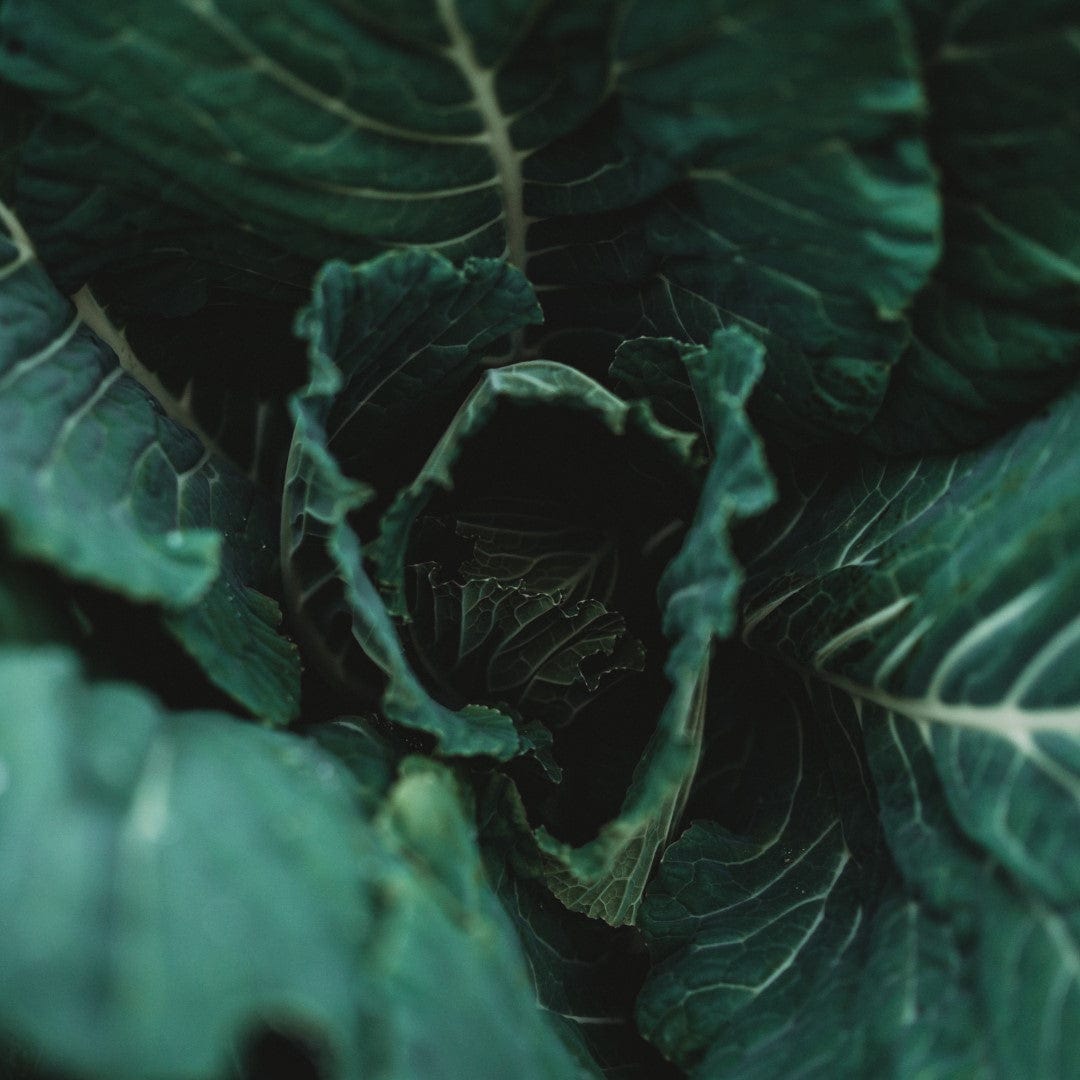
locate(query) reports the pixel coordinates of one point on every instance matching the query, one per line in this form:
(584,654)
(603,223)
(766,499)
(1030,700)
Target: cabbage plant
(539,539)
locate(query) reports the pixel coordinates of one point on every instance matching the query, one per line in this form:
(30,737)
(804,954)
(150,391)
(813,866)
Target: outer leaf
(971,633)
(198,876)
(378,333)
(97,481)
(889,584)
(753,910)
(806,213)
(788,947)
(1022,940)
(449,925)
(998,333)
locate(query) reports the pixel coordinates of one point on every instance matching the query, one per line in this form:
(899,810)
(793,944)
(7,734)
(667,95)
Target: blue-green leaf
(196,878)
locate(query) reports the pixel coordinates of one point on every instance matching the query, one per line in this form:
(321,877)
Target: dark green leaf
(97,481)
(802,207)
(544,658)
(379,334)
(998,333)
(886,581)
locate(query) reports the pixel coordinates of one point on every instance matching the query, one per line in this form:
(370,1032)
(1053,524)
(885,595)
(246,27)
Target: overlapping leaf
(998,332)
(802,208)
(891,584)
(788,946)
(200,877)
(97,481)
(604,877)
(522,647)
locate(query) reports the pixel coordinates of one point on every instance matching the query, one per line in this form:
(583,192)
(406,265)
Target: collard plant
(539,540)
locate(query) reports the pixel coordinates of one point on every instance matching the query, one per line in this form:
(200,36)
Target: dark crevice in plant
(279,1051)
(532,588)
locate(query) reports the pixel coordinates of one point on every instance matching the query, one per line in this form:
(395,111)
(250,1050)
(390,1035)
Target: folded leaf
(379,334)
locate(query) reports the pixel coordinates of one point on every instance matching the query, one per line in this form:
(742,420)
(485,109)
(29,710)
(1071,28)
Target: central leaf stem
(481,81)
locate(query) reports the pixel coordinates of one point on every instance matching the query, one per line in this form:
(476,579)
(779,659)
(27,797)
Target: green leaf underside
(99,483)
(377,333)
(200,877)
(786,947)
(999,330)
(808,214)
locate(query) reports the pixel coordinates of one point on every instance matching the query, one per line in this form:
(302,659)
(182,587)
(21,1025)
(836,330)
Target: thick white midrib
(507,159)
(1002,719)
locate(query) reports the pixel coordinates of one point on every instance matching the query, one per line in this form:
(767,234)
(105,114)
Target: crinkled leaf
(698,593)
(699,590)
(380,334)
(199,877)
(604,877)
(98,482)
(536,383)
(535,542)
